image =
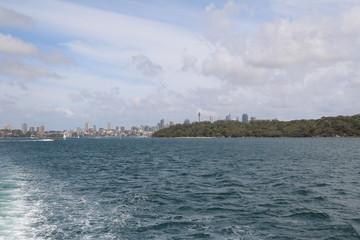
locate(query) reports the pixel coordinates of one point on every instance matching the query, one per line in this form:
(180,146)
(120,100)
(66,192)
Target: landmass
(340,126)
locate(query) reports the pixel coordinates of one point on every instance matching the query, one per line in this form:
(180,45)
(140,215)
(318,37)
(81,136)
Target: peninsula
(340,126)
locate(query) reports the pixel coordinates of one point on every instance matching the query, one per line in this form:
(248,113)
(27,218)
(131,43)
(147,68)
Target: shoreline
(255,137)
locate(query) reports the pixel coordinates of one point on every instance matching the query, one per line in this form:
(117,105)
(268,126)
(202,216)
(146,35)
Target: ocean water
(180,189)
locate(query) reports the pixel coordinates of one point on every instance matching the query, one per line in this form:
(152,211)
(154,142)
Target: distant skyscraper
(162,123)
(94,127)
(211,119)
(245,118)
(32,129)
(42,129)
(228,117)
(199,116)
(109,125)
(24,127)
(86,126)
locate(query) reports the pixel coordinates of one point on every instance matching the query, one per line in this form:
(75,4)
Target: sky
(64,63)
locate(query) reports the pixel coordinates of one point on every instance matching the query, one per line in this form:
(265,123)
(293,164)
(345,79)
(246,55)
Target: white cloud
(10,18)
(12,45)
(55,58)
(232,68)
(65,111)
(13,68)
(219,22)
(146,66)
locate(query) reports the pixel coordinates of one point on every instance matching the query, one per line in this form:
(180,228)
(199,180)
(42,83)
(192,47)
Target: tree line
(340,126)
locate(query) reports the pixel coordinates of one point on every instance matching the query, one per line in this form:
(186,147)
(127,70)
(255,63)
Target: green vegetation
(340,126)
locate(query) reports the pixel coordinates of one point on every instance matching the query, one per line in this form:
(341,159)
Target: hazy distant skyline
(64,63)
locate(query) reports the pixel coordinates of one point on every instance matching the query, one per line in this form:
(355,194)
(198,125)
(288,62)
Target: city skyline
(65,62)
(87,125)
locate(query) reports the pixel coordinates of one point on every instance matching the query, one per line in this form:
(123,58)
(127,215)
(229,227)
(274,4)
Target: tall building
(87,126)
(109,125)
(211,119)
(32,129)
(24,128)
(41,129)
(245,118)
(228,117)
(94,127)
(186,121)
(162,124)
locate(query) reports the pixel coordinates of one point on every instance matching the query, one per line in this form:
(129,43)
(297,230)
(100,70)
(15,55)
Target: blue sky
(63,63)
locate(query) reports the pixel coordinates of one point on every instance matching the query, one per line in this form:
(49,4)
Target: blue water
(180,189)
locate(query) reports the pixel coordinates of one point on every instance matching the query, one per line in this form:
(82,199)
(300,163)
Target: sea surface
(248,188)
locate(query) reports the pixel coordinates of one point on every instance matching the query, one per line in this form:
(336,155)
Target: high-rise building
(245,118)
(109,125)
(162,124)
(211,119)
(87,126)
(94,127)
(32,129)
(24,128)
(41,129)
(228,117)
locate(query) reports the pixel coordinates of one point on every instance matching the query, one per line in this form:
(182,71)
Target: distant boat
(48,140)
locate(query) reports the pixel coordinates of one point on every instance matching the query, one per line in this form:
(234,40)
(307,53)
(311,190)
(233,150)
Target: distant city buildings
(42,129)
(87,126)
(87,131)
(24,128)
(245,118)
(161,124)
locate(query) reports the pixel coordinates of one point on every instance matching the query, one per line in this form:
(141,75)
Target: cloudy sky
(134,62)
